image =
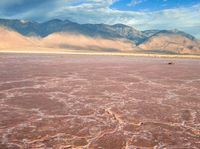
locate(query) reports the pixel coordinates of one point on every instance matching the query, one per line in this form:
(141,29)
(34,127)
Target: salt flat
(95,101)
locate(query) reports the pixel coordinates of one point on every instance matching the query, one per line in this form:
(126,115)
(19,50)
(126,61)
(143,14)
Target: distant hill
(171,42)
(167,41)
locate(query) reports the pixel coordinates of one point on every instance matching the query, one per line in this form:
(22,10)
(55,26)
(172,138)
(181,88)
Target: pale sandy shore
(60,51)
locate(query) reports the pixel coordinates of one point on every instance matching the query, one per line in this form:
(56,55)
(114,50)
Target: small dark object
(171,63)
(141,123)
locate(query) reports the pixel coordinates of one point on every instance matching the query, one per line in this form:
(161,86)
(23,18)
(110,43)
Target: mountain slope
(149,33)
(172,42)
(23,27)
(129,33)
(81,42)
(12,39)
(118,31)
(118,37)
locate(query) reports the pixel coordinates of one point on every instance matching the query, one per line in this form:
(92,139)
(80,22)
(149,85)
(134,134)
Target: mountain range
(71,35)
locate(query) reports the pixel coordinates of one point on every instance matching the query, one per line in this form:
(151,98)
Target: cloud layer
(101,11)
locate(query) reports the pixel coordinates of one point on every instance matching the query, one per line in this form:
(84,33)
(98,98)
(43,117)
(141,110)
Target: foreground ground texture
(110,102)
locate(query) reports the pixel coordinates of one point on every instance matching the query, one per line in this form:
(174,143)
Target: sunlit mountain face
(141,14)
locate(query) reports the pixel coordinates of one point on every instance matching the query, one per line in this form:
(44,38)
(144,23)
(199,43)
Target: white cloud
(135,2)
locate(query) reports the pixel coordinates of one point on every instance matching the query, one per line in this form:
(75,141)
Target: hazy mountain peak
(120,25)
(67,21)
(53,21)
(24,21)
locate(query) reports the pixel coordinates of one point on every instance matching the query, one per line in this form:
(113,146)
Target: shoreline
(100,54)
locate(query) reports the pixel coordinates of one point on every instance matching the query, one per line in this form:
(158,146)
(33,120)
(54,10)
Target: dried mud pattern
(110,102)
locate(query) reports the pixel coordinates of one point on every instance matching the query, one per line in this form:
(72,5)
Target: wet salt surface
(111,102)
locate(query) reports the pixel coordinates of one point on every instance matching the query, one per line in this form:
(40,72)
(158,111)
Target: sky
(140,14)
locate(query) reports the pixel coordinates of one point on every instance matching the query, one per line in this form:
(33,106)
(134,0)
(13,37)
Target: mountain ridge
(148,40)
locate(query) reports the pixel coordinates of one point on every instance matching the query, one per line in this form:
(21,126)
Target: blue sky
(140,14)
(152,5)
